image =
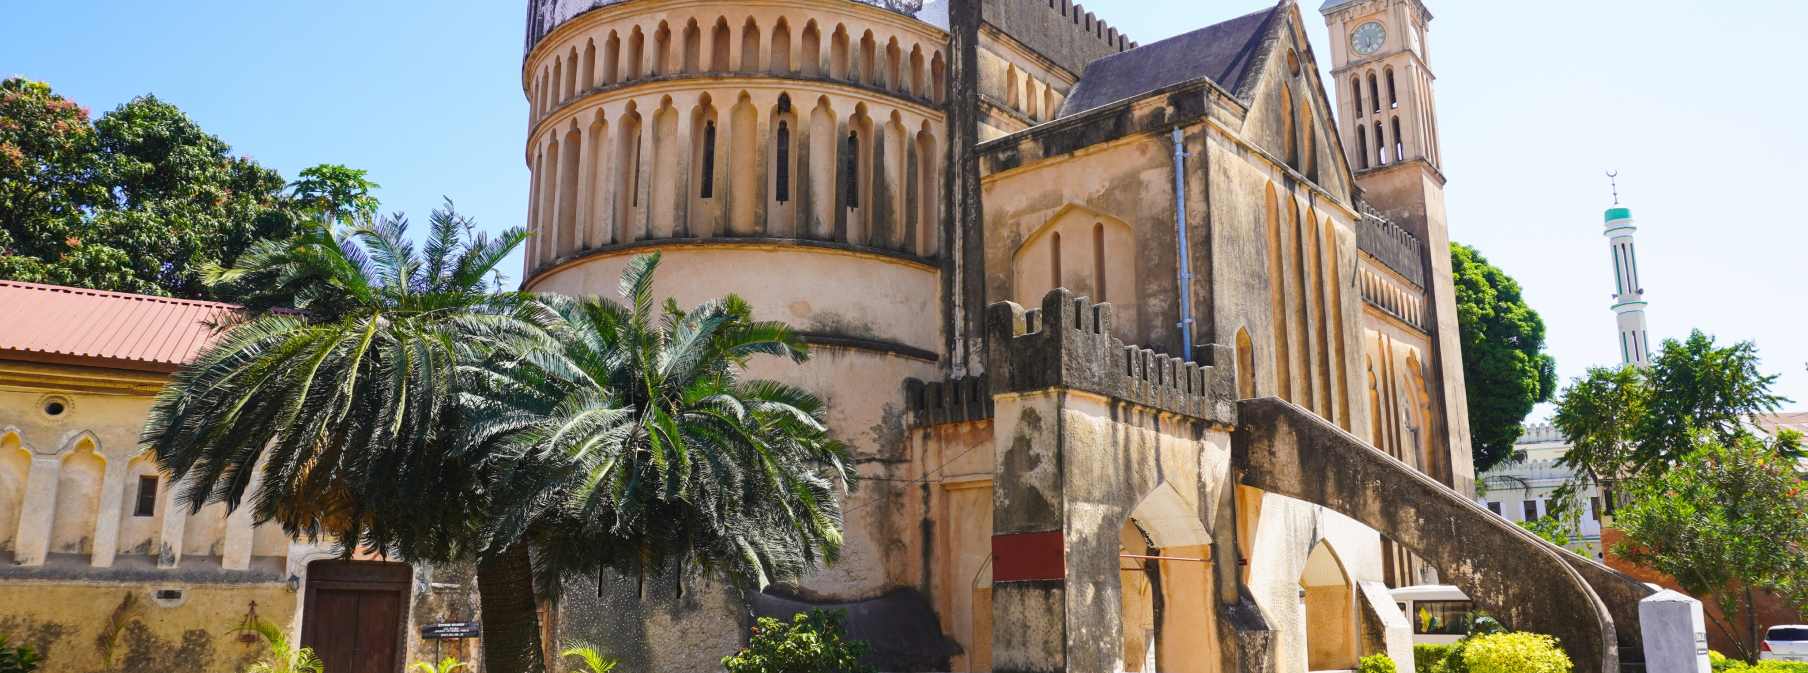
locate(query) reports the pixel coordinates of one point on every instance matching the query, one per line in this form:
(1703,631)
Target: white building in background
(1522,490)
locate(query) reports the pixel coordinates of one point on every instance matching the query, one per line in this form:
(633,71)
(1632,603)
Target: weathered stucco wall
(107,628)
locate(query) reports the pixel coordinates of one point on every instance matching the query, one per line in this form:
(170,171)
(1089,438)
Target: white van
(1439,613)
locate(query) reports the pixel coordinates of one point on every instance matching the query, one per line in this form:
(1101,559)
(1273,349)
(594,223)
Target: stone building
(103,568)
(1148,352)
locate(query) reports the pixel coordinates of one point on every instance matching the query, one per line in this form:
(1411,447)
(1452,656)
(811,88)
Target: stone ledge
(1068,344)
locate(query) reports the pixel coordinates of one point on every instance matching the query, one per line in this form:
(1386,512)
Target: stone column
(235,552)
(37,512)
(175,520)
(106,523)
(1675,633)
(1029,560)
(586,195)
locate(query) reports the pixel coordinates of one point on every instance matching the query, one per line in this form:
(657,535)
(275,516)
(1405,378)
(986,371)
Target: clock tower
(1387,118)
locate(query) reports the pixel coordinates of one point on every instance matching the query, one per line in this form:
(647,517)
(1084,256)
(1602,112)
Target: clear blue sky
(1696,103)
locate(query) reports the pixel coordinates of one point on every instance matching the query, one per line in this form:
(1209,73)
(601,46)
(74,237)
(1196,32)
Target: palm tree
(283,656)
(623,437)
(336,393)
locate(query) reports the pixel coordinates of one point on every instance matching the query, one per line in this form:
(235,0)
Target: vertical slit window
(709,160)
(1380,145)
(1399,142)
(1054,264)
(1098,260)
(1356,90)
(634,176)
(1362,147)
(783,187)
(1393,95)
(146,505)
(851,170)
(1374,93)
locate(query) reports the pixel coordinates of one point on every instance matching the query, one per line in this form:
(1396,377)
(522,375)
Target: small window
(851,171)
(146,504)
(1494,507)
(1594,507)
(709,160)
(1530,509)
(783,186)
(1442,618)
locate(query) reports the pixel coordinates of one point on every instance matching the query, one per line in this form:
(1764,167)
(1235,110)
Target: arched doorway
(353,613)
(1165,575)
(1328,611)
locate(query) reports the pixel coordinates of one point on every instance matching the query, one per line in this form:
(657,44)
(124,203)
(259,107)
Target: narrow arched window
(1399,143)
(850,170)
(1374,93)
(1393,95)
(709,160)
(1362,147)
(1098,260)
(1054,264)
(783,188)
(1356,91)
(1380,145)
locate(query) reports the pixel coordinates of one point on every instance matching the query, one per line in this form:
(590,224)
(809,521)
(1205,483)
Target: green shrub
(1376,663)
(814,642)
(1515,653)
(1437,659)
(21,659)
(1779,667)
(1721,663)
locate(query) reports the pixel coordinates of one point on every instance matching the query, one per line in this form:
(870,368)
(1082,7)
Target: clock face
(1368,38)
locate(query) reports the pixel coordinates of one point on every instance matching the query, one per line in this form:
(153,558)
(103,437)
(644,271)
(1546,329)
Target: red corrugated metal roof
(72,325)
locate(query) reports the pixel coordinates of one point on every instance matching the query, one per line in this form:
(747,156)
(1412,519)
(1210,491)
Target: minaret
(1629,295)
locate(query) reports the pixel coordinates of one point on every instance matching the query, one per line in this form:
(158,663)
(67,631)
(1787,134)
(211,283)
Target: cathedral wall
(1061,31)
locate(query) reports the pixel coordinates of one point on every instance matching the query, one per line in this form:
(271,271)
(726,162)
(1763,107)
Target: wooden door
(353,617)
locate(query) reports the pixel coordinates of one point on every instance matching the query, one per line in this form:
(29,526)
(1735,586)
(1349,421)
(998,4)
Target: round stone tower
(789,151)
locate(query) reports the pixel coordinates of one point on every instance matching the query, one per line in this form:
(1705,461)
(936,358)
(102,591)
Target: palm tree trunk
(511,618)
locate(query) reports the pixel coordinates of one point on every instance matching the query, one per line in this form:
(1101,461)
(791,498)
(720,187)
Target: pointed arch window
(1356,91)
(709,160)
(783,186)
(850,170)
(1374,94)
(1399,142)
(1393,94)
(1362,147)
(1380,145)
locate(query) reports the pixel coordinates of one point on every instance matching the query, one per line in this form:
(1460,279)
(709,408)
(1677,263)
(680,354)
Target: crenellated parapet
(958,400)
(1068,344)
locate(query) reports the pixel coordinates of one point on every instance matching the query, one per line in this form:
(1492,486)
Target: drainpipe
(1180,233)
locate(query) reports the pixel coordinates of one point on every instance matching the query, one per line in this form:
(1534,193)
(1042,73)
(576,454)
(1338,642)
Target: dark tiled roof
(1222,53)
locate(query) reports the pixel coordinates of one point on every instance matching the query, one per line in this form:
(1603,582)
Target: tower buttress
(1387,116)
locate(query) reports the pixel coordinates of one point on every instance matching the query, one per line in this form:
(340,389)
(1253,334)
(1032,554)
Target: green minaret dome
(1617,213)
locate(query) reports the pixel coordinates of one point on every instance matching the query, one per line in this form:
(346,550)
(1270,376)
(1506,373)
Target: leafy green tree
(141,200)
(335,193)
(1505,369)
(1725,520)
(814,642)
(624,437)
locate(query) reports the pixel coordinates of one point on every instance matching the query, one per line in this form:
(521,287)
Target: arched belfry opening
(1165,576)
(1328,611)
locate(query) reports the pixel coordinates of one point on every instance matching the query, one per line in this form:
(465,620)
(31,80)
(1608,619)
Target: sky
(1693,102)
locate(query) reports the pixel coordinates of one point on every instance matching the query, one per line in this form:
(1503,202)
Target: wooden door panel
(379,618)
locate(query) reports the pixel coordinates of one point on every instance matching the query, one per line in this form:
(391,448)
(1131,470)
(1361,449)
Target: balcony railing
(1394,246)
(545,15)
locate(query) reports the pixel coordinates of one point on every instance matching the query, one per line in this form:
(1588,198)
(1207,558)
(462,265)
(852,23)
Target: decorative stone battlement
(1393,245)
(1068,344)
(1060,30)
(957,400)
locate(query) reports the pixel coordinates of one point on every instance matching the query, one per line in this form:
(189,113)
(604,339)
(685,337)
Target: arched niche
(77,497)
(1165,574)
(1328,611)
(1086,251)
(15,465)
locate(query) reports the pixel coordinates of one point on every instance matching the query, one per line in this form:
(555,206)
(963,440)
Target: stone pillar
(1675,633)
(235,553)
(106,523)
(585,194)
(1029,560)
(37,512)
(175,520)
